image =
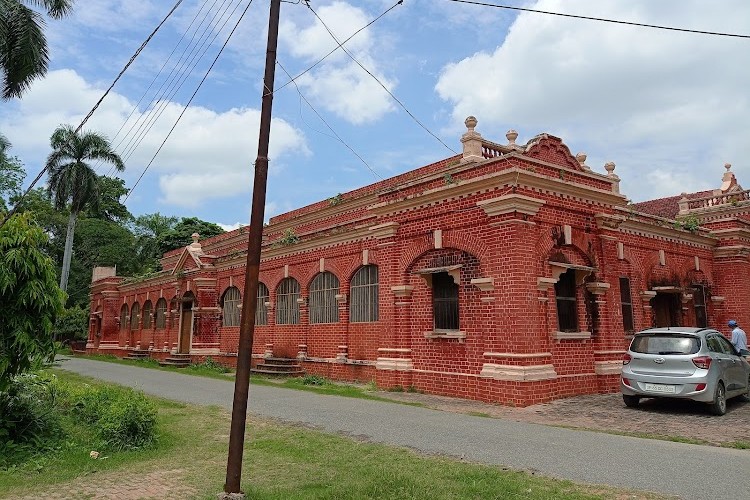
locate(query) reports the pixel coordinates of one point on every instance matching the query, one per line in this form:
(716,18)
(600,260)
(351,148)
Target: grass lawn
(281,462)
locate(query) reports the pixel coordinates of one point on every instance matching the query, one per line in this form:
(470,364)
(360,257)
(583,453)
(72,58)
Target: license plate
(667,389)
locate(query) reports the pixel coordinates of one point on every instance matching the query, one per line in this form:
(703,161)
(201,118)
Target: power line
(229,37)
(292,80)
(336,136)
(590,18)
(90,113)
(403,106)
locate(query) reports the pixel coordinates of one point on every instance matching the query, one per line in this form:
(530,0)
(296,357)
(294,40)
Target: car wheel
(631,401)
(746,396)
(719,404)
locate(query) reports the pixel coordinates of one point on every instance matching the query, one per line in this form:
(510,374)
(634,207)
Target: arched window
(147,314)
(230,303)
(161,314)
(565,296)
(261,311)
(287,307)
(444,301)
(135,313)
(124,317)
(323,306)
(364,293)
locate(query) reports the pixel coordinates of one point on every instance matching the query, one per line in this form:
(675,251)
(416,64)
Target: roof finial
(470,123)
(581,158)
(195,237)
(728,166)
(511,135)
(610,168)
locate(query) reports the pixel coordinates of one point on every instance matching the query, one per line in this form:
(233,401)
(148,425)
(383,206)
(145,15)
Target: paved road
(689,471)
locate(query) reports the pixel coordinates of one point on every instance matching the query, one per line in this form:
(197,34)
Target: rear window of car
(665,344)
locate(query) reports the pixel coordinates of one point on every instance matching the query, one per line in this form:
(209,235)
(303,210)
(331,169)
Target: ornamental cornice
(149,282)
(668,233)
(740,233)
(609,221)
(349,236)
(511,203)
(511,176)
(732,251)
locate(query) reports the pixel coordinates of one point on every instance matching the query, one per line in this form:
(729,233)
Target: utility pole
(249,300)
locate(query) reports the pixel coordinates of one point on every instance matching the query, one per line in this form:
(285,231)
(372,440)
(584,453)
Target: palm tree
(72,180)
(23,47)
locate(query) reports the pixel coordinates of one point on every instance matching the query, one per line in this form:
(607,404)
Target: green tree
(72,180)
(30,298)
(111,191)
(23,46)
(72,324)
(149,229)
(12,174)
(180,235)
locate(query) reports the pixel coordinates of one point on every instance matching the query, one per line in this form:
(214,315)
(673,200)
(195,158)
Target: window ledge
(446,334)
(571,335)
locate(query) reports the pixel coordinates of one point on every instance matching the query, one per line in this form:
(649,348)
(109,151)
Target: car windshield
(665,344)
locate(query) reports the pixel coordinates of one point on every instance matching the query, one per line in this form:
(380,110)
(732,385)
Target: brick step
(177,360)
(278,368)
(292,373)
(137,355)
(281,361)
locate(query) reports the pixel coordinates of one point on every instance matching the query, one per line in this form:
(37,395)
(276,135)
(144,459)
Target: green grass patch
(210,369)
(281,462)
(738,445)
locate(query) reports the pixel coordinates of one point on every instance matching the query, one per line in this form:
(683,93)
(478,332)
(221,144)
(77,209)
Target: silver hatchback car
(690,363)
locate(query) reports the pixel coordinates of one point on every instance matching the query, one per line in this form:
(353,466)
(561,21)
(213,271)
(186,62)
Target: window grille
(444,301)
(287,307)
(364,291)
(135,311)
(626,302)
(261,310)
(699,301)
(147,314)
(565,294)
(323,305)
(231,300)
(161,313)
(124,317)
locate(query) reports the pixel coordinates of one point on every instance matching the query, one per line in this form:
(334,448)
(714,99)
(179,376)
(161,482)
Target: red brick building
(510,273)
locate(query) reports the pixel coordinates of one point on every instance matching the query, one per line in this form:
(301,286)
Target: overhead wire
(96,106)
(335,135)
(403,106)
(156,77)
(177,81)
(600,19)
(229,37)
(293,79)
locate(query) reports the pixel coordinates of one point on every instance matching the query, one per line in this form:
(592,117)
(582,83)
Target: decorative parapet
(511,203)
(472,142)
(741,251)
(515,373)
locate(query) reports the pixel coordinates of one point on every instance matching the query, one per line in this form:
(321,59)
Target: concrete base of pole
(230,496)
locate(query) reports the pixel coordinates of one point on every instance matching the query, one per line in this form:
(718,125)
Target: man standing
(739,339)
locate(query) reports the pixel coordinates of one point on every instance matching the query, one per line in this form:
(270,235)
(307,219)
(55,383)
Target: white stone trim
(514,355)
(516,373)
(511,203)
(397,364)
(571,335)
(611,367)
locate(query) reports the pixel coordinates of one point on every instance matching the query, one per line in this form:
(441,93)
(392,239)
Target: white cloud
(209,154)
(339,84)
(659,103)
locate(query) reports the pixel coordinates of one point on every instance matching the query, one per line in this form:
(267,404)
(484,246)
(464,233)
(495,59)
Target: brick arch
(348,268)
(272,278)
(458,240)
(650,264)
(304,273)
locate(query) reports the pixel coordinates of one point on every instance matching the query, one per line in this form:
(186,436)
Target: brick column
(207,316)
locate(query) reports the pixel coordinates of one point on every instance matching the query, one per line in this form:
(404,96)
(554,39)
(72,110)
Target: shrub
(209,364)
(124,419)
(313,380)
(128,422)
(72,324)
(29,417)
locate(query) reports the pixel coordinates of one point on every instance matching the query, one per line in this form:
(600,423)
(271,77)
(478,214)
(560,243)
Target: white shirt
(739,339)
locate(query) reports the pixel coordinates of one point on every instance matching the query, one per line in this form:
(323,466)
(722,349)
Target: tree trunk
(68,251)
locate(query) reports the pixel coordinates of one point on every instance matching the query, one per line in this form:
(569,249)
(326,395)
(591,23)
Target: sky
(668,108)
